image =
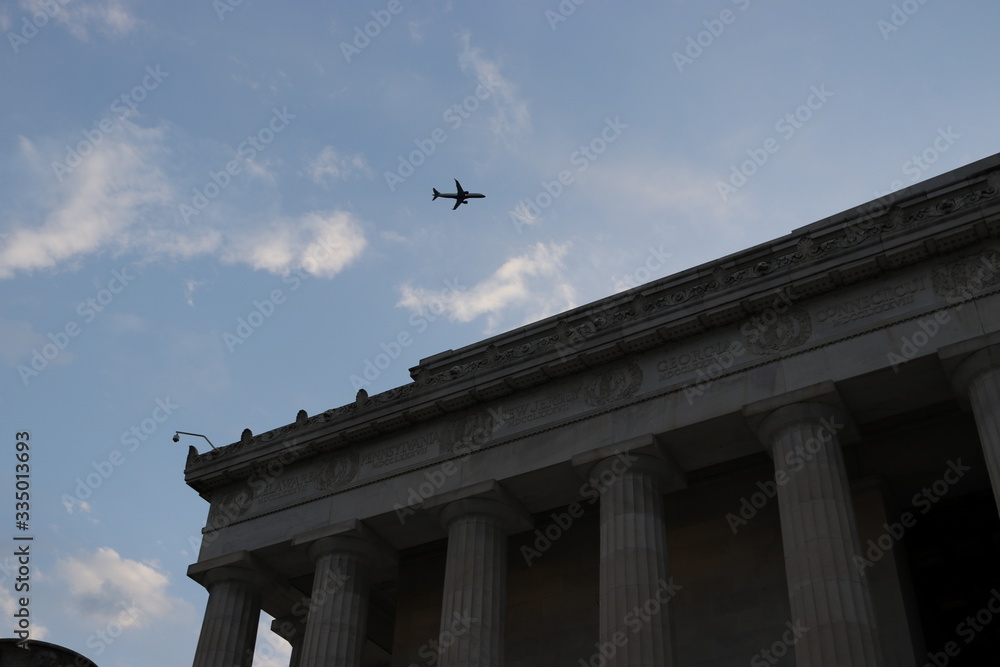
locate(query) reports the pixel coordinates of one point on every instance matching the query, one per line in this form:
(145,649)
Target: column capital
(489,498)
(238,566)
(351,536)
(645,454)
(965,361)
(816,403)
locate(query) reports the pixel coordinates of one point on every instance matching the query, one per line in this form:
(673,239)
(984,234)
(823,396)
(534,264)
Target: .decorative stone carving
(340,471)
(612,385)
(791,329)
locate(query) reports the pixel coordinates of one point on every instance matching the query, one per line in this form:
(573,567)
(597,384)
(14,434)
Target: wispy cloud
(512,116)
(535,282)
(331,165)
(9,606)
(118,199)
(111,17)
(103,196)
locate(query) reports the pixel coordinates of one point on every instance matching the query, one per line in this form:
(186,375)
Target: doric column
(829,597)
(474,604)
(292,629)
(336,625)
(229,629)
(976,377)
(634,572)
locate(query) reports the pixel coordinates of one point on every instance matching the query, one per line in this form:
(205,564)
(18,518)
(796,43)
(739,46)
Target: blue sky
(215,214)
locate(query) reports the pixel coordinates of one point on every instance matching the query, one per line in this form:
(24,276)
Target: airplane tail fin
(436,194)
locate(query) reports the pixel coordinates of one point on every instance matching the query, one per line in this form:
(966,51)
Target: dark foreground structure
(787,456)
(39,654)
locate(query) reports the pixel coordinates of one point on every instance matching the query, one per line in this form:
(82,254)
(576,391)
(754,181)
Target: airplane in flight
(460,197)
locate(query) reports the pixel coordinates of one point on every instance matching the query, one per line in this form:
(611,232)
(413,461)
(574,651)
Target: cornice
(908,227)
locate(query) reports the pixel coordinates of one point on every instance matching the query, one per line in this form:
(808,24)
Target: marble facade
(760,460)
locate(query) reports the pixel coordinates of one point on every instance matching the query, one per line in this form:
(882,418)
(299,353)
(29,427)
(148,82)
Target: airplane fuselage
(461,196)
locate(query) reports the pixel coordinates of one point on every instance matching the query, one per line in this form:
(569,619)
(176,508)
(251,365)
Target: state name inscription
(529,411)
(383,456)
(880,300)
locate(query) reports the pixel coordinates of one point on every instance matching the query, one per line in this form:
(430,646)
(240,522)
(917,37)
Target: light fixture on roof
(177,437)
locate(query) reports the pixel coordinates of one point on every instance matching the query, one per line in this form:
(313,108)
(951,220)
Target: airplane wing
(459,186)
(458,202)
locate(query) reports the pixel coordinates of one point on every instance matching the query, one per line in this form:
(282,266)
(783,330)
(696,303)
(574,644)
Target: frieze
(879,300)
(790,329)
(691,360)
(339,472)
(613,385)
(956,280)
(529,411)
(865,229)
(392,454)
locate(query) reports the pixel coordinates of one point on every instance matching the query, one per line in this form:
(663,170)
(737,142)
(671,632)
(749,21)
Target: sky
(214,214)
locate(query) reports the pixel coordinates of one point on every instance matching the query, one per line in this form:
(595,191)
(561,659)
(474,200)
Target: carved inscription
(385,456)
(275,488)
(691,360)
(522,413)
(879,300)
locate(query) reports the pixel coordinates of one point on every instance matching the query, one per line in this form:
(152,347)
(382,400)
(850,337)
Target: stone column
(474,604)
(292,629)
(634,569)
(976,377)
(336,625)
(229,629)
(829,596)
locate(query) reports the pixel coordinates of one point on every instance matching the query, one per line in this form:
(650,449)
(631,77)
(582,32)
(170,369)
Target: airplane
(460,197)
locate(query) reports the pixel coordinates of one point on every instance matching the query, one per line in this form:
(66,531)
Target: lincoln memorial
(788,456)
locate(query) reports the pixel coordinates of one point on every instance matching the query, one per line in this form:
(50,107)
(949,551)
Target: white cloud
(8,607)
(105,588)
(536,282)
(118,199)
(330,165)
(109,189)
(111,17)
(322,243)
(72,504)
(512,115)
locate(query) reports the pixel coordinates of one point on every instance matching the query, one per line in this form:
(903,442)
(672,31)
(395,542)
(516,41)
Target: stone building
(787,456)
